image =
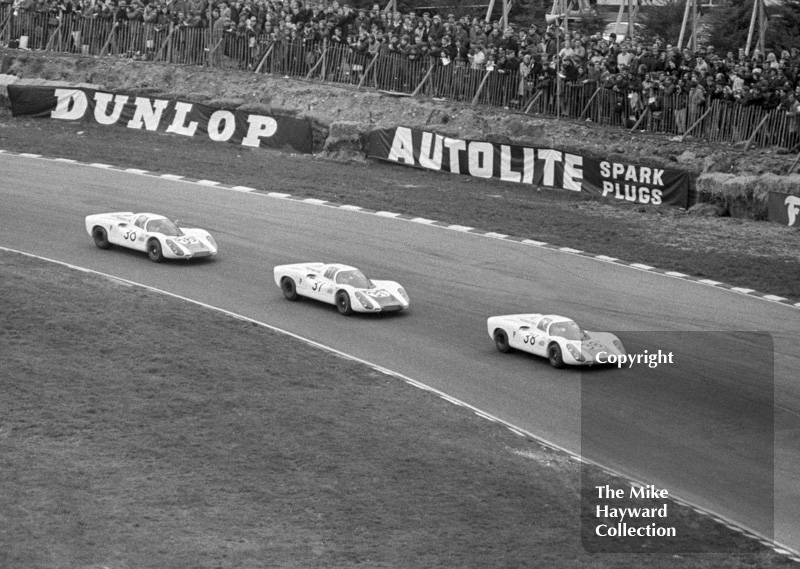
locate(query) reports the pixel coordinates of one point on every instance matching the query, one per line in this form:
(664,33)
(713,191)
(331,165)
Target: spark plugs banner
(536,166)
(162,115)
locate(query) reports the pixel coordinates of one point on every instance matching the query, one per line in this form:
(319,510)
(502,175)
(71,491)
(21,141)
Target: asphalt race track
(702,421)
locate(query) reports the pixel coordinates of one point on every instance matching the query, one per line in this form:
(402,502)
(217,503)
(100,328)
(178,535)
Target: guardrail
(718,121)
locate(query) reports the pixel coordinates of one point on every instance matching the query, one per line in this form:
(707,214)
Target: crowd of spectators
(536,56)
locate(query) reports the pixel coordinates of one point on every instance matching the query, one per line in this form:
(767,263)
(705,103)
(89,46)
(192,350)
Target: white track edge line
(771,298)
(774,545)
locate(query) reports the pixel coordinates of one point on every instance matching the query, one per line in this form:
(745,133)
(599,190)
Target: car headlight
(618,345)
(362,298)
(575,352)
(212,242)
(175,248)
(401,291)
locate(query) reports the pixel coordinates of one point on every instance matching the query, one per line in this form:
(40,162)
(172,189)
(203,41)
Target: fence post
(319,62)
(424,80)
(589,102)
(56,33)
(480,87)
(5,22)
(755,132)
(367,70)
(697,122)
(164,44)
(646,113)
(111,35)
(533,102)
(264,58)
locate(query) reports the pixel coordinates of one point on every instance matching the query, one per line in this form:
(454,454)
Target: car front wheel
(289,288)
(501,341)
(154,251)
(343,303)
(555,356)
(100,237)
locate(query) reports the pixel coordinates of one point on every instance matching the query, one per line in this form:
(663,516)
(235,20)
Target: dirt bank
(343,115)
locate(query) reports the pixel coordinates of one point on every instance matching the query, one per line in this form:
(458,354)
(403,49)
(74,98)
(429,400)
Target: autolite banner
(536,166)
(162,115)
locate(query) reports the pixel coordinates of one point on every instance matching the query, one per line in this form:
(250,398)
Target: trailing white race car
(153,234)
(557,338)
(341,285)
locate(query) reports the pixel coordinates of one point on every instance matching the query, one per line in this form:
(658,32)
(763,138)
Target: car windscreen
(164,226)
(354,278)
(567,330)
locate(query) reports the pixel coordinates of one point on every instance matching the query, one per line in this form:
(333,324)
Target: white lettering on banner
(221,117)
(178,125)
(455,145)
(550,158)
(147,114)
(630,173)
(260,127)
(630,193)
(425,159)
(480,159)
(528,165)
(402,146)
(573,173)
(101,107)
(71,105)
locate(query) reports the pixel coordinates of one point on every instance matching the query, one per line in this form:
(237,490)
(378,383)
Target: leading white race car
(557,338)
(341,285)
(154,234)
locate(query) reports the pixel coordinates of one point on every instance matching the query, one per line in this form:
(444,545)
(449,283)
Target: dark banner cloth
(162,115)
(784,209)
(536,166)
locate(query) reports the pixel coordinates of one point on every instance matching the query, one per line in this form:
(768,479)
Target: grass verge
(139,431)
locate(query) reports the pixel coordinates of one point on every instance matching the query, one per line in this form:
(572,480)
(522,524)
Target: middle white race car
(557,338)
(344,286)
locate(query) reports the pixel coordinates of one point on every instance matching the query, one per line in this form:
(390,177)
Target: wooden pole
(683,25)
(755,132)
(796,160)
(480,88)
(762,28)
(264,58)
(424,80)
(535,98)
(489,11)
(694,26)
(641,118)
(695,123)
(752,28)
(367,70)
(503,19)
(589,102)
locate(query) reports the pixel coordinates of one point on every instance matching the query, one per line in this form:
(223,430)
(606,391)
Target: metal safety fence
(717,121)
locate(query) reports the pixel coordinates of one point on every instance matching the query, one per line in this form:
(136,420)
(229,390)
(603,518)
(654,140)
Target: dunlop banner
(536,166)
(784,209)
(162,115)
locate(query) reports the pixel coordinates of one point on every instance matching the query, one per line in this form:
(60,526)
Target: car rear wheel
(154,251)
(100,237)
(501,341)
(343,303)
(289,288)
(555,356)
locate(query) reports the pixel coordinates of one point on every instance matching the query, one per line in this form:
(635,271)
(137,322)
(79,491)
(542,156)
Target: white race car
(341,285)
(153,234)
(557,338)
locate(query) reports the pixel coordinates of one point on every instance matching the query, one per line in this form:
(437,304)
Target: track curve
(455,281)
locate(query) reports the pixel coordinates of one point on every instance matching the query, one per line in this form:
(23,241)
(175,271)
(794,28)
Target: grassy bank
(172,436)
